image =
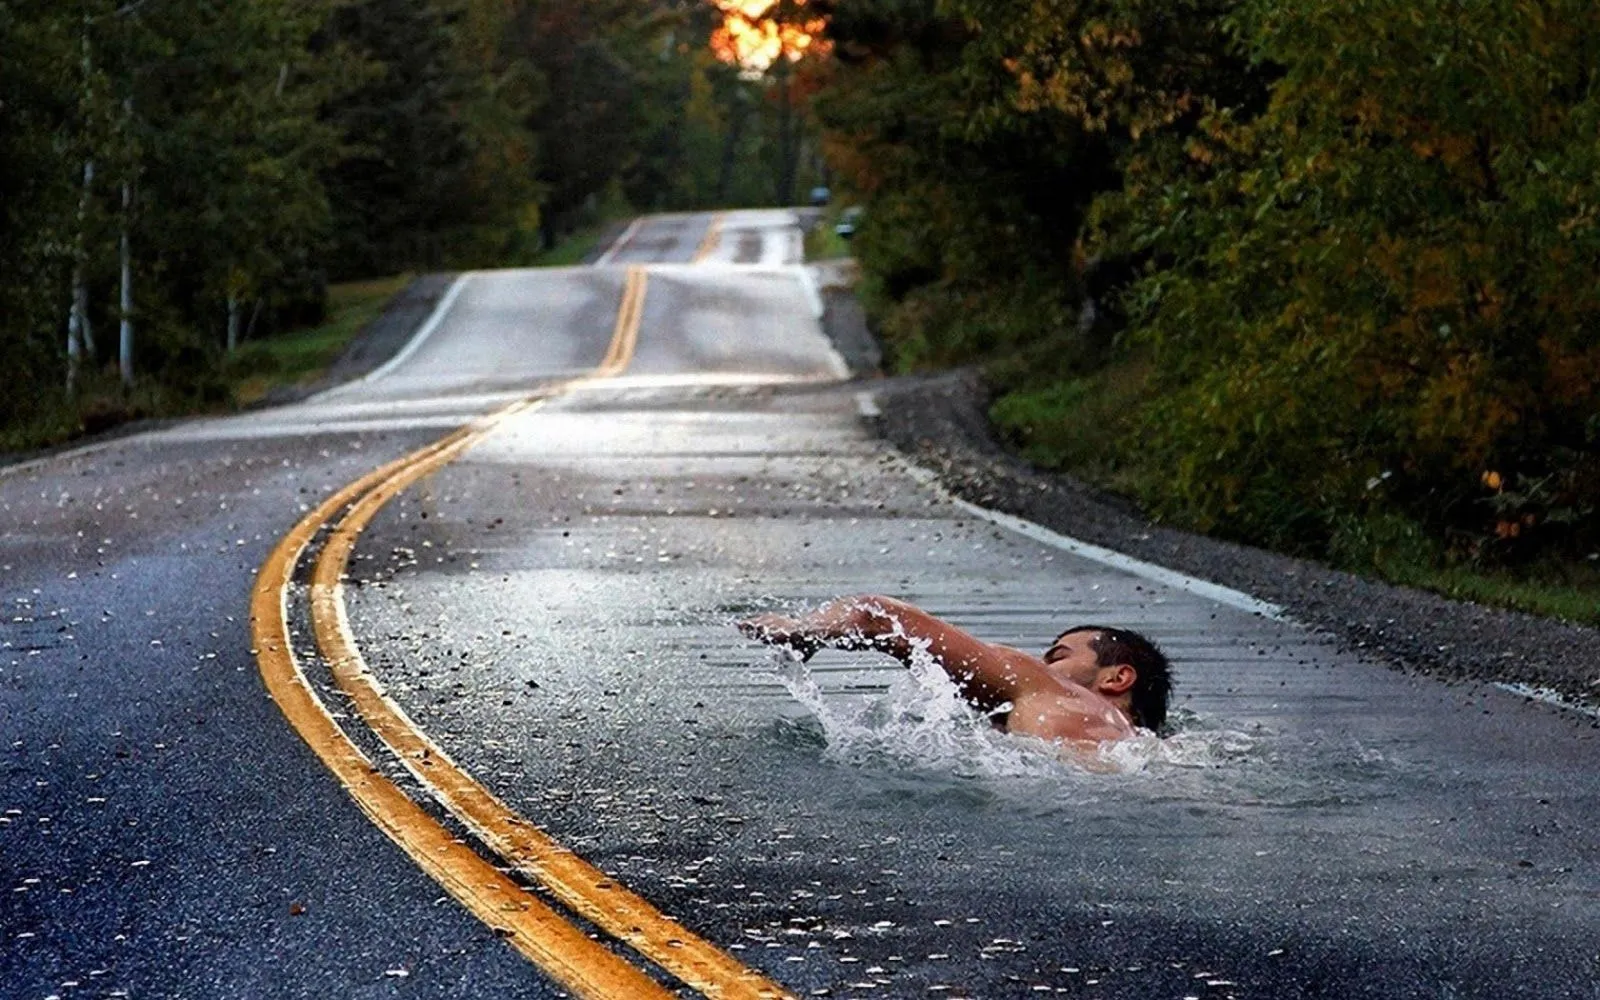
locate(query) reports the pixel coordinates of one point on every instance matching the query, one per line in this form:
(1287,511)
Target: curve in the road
(535,929)
(621,242)
(587,890)
(582,965)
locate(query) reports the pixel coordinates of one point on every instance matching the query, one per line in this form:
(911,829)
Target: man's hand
(778,630)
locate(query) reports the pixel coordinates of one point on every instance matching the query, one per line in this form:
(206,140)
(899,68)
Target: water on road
(555,610)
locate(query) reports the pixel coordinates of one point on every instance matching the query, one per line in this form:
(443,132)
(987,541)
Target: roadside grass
(1083,426)
(1076,425)
(571,250)
(1569,589)
(100,404)
(302,356)
(821,242)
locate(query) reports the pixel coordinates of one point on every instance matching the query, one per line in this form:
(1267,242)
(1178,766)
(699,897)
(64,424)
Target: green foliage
(980,135)
(1078,424)
(250,150)
(303,355)
(37,208)
(439,161)
(1379,295)
(1357,244)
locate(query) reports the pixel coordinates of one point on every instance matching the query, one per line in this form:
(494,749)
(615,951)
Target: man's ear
(1116,679)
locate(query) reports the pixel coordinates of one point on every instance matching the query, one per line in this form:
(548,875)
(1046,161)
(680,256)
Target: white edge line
(1106,557)
(808,282)
(1172,578)
(19,468)
(808,285)
(434,319)
(412,346)
(619,243)
(1549,696)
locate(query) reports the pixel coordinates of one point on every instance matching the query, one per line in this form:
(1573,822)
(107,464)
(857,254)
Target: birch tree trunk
(79,336)
(80,280)
(125,301)
(233,322)
(73,349)
(80,302)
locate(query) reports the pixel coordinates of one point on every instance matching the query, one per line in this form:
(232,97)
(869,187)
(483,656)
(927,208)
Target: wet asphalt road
(554,609)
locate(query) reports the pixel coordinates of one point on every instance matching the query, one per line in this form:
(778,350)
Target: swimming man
(1093,683)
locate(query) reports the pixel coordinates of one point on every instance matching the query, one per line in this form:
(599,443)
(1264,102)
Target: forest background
(184,180)
(1317,275)
(1320,276)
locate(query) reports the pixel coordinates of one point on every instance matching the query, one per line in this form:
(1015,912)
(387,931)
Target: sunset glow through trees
(754,36)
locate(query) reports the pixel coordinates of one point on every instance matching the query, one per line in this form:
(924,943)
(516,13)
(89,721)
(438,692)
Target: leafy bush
(1379,295)
(1365,234)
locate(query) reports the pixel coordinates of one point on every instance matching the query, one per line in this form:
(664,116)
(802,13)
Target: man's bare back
(1092,685)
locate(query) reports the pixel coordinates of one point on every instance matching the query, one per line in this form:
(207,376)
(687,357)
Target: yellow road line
(568,955)
(562,950)
(625,335)
(579,885)
(709,242)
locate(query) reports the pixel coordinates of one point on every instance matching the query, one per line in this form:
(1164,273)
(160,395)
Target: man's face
(1072,657)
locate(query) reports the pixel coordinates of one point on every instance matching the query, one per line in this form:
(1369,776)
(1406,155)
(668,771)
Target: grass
(297,357)
(55,420)
(1081,426)
(1076,425)
(303,356)
(1567,590)
(822,243)
(571,250)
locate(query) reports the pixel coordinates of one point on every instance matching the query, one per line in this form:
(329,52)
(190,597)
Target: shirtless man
(1093,683)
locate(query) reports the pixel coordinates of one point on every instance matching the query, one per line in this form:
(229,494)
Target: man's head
(1116,662)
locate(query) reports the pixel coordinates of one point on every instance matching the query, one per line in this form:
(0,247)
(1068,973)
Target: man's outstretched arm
(988,675)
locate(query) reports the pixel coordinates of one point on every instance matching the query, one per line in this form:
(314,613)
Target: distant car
(820,196)
(849,222)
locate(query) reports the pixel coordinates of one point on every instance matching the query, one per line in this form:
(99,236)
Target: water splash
(922,724)
(922,730)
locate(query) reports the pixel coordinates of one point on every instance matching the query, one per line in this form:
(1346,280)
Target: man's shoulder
(1068,712)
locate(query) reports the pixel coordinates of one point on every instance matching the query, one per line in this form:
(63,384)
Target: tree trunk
(233,322)
(78,333)
(250,327)
(730,150)
(77,314)
(73,348)
(80,302)
(125,301)
(787,151)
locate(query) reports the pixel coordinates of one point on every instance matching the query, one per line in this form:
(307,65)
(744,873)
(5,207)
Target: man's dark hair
(1147,699)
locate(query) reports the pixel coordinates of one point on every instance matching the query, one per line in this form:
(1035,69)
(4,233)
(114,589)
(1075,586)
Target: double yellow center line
(710,241)
(584,966)
(625,335)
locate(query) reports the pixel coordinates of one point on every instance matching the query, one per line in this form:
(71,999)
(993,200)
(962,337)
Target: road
(539,618)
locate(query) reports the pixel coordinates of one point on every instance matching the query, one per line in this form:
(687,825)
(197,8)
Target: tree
(439,164)
(38,213)
(1382,298)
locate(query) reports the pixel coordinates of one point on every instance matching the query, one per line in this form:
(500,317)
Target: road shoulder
(940,421)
